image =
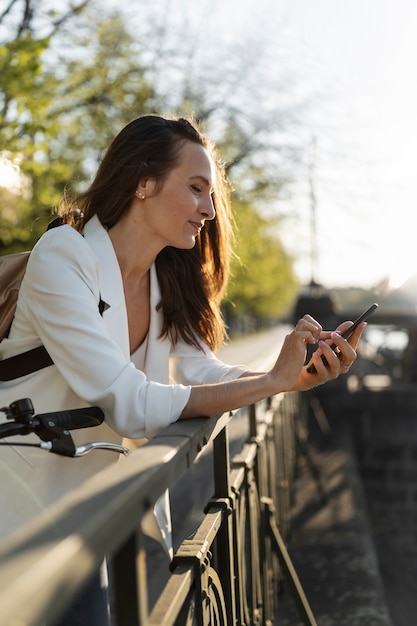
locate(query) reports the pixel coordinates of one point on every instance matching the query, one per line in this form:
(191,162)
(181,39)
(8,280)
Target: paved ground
(331,545)
(396,545)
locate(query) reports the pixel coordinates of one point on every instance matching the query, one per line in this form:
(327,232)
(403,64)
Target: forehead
(195,161)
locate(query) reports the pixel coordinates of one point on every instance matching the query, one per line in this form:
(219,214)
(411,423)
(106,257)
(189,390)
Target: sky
(358,59)
(364,54)
(355,61)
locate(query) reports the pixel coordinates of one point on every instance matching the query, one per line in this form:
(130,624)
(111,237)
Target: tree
(60,111)
(26,96)
(244,100)
(263,283)
(83,75)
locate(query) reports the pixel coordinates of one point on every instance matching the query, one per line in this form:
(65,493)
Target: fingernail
(336,335)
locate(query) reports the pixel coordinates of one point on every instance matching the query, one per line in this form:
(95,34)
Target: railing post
(265,548)
(128,583)
(247,539)
(225,551)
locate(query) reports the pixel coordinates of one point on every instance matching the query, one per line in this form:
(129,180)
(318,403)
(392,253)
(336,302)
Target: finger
(326,334)
(335,358)
(309,323)
(356,335)
(343,327)
(334,362)
(316,361)
(330,354)
(324,362)
(303,337)
(345,352)
(354,338)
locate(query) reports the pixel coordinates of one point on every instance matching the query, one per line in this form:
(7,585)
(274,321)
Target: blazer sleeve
(193,366)
(60,296)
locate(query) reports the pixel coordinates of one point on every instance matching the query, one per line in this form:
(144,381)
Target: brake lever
(101,445)
(77,451)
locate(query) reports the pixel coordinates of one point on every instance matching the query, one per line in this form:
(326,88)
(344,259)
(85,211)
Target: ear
(147,186)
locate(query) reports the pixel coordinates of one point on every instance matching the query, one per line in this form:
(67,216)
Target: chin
(183,247)
(189,245)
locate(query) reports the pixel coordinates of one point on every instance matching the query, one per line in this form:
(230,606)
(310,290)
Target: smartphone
(362,318)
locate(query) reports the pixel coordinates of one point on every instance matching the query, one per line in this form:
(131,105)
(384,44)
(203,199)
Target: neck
(133,249)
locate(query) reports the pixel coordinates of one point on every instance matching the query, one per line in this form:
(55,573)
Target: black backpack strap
(24,363)
(31,360)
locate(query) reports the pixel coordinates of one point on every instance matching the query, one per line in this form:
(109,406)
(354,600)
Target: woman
(153,245)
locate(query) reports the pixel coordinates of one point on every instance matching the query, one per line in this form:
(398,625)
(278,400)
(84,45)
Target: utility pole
(313,213)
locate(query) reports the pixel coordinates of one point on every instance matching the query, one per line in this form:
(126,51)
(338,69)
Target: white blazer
(67,274)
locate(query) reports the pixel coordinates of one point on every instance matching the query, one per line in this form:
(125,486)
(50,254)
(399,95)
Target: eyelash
(196,188)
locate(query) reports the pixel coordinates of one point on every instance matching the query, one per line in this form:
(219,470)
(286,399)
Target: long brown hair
(193,281)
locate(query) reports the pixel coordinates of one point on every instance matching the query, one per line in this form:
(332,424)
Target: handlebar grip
(72,419)
(8,429)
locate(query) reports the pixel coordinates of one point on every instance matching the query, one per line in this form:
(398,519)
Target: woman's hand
(330,363)
(290,362)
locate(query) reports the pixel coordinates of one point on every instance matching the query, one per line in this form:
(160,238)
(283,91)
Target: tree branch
(7,10)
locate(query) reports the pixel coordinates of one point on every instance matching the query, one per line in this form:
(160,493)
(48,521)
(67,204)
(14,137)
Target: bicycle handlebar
(53,428)
(72,419)
(8,430)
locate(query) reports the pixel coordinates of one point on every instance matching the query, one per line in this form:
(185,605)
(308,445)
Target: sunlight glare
(11,177)
(399,277)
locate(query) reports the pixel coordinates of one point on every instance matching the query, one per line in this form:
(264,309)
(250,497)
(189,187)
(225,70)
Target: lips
(197,225)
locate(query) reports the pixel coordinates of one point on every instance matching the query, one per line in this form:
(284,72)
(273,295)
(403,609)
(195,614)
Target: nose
(207,209)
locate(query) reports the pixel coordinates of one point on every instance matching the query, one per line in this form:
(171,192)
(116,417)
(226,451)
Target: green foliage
(101,92)
(23,113)
(263,283)
(67,88)
(60,111)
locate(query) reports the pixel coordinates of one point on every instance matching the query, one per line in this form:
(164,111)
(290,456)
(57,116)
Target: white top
(67,275)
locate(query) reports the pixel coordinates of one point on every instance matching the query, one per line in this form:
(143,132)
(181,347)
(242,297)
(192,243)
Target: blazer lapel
(115,314)
(111,284)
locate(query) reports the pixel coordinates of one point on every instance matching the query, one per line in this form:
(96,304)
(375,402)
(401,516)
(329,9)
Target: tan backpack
(12,270)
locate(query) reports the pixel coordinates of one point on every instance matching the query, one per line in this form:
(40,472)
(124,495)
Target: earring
(140,194)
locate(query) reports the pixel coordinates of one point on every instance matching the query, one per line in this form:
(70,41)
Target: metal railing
(228,573)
